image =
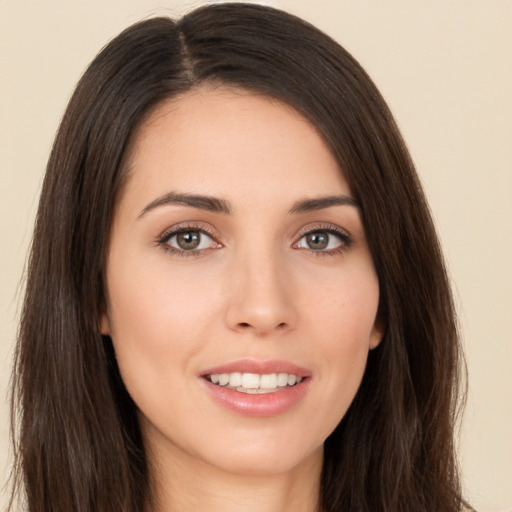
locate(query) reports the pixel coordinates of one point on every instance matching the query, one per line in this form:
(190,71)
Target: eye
(188,240)
(324,240)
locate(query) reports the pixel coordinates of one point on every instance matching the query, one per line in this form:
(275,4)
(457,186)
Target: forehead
(227,142)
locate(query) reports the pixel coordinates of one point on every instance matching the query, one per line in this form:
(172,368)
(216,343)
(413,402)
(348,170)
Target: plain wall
(444,66)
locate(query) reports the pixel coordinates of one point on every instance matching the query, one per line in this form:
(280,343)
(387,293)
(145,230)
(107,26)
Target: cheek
(343,310)
(344,320)
(158,320)
(156,298)
(340,379)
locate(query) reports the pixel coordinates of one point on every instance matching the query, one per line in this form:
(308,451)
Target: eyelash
(175,231)
(342,235)
(330,229)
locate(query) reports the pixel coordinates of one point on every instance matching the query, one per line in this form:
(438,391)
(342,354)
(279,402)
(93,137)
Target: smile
(254,383)
(257,388)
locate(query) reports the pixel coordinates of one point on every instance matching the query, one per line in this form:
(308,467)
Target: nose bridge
(261,298)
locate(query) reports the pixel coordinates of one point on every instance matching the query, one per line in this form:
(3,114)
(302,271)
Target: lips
(257,388)
(255,383)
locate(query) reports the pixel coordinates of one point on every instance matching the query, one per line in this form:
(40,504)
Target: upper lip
(259,367)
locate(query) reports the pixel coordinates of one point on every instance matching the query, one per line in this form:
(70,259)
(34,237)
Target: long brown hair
(78,443)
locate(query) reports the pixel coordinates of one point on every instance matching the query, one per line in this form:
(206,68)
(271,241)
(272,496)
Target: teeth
(235,379)
(223,379)
(282,379)
(268,381)
(254,383)
(250,380)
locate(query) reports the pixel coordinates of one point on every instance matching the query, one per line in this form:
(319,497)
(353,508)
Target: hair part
(79,445)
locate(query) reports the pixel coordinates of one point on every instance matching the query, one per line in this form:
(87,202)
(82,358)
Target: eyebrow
(311,205)
(211,204)
(216,205)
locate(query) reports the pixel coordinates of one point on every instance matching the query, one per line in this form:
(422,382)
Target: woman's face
(242,297)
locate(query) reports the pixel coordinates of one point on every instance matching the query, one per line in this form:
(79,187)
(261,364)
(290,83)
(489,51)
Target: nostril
(246,325)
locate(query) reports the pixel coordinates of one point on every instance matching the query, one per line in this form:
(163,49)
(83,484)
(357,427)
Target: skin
(255,289)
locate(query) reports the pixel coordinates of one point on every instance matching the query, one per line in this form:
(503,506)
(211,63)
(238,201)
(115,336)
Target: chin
(264,454)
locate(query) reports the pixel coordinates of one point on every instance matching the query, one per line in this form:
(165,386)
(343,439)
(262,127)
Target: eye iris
(317,241)
(188,240)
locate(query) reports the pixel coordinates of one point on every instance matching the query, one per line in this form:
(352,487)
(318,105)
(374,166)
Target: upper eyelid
(190,226)
(323,226)
(209,230)
(164,240)
(333,229)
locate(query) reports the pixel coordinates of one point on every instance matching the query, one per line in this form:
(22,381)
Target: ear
(105,325)
(377,333)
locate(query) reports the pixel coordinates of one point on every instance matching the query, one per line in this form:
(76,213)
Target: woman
(235,296)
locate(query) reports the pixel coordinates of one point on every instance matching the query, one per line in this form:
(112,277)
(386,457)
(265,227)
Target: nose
(261,296)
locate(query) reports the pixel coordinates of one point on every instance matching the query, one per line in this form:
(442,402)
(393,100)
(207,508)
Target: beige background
(445,67)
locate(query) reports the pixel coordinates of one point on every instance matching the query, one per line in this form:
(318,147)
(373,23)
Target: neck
(189,486)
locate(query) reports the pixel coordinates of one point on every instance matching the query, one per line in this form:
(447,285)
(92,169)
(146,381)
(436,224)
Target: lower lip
(264,405)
